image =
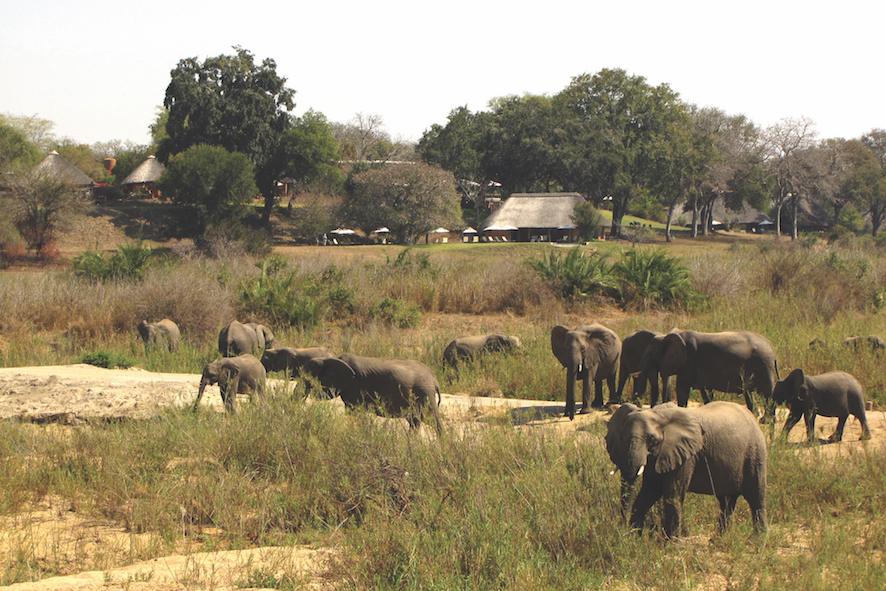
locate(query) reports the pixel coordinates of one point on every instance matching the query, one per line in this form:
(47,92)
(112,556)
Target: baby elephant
(292,360)
(233,375)
(163,334)
(469,347)
(831,394)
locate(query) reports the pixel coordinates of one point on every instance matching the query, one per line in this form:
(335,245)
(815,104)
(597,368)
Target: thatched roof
(746,215)
(535,210)
(55,165)
(146,172)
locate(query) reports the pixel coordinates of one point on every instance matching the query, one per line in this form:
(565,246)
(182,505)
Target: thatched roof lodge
(145,175)
(56,166)
(534,217)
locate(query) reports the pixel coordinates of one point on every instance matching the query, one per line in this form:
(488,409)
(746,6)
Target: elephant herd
(715,449)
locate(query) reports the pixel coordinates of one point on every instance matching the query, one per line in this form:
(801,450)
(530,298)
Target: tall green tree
(626,121)
(308,153)
(864,180)
(409,199)
(460,148)
(230,102)
(216,183)
(16,151)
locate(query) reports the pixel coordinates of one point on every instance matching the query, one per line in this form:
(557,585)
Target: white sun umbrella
(382,230)
(441,231)
(342,231)
(469,230)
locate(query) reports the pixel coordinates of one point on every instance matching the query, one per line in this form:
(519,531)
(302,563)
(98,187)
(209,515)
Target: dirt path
(71,394)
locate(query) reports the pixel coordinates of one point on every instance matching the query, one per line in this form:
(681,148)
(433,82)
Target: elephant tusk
(613,472)
(640,471)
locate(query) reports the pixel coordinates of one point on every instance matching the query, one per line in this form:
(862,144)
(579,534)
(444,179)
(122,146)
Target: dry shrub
(187,295)
(825,283)
(718,276)
(503,287)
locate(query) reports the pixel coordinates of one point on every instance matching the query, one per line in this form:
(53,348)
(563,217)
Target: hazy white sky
(99,70)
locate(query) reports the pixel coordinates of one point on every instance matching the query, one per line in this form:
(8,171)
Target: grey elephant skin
(737,361)
(633,347)
(588,353)
(832,394)
(164,334)
(291,360)
(716,449)
(469,347)
(871,342)
(394,387)
(239,338)
(242,374)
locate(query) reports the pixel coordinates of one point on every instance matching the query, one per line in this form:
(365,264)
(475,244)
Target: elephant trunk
(203,383)
(571,376)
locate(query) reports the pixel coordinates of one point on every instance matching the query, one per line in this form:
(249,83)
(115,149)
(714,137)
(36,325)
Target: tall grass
(489,506)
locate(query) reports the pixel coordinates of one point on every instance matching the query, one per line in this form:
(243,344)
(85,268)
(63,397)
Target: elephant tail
(439,396)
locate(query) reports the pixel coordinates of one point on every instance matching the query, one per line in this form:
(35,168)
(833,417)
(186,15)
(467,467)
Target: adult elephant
(241,374)
(716,449)
(469,347)
(290,360)
(590,354)
(632,349)
(737,361)
(239,338)
(832,394)
(163,334)
(394,387)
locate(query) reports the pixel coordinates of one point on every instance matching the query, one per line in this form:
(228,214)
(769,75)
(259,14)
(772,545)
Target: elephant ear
(558,345)
(798,387)
(682,438)
(268,335)
(602,343)
(675,354)
(337,371)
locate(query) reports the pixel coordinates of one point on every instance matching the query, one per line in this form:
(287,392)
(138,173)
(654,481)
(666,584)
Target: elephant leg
(682,393)
(598,395)
(793,418)
(610,384)
(809,416)
(707,395)
(727,507)
(673,512)
(838,432)
(650,493)
(622,380)
(755,495)
(865,430)
(229,392)
(640,383)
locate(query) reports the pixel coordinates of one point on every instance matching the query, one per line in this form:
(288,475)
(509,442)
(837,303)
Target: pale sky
(99,70)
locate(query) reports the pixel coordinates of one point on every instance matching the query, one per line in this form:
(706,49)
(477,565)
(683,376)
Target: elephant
(469,347)
(871,342)
(632,348)
(716,449)
(233,375)
(164,333)
(736,361)
(393,386)
(291,360)
(588,353)
(832,394)
(236,338)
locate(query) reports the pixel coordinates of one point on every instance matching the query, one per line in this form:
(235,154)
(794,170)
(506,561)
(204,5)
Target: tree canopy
(408,199)
(214,181)
(230,102)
